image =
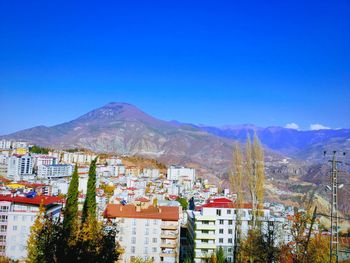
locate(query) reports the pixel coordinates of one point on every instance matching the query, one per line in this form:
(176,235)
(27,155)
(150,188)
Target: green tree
(38,149)
(89,208)
(70,212)
(220,255)
(183,202)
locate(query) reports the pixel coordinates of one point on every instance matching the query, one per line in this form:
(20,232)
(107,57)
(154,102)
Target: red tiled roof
(167,213)
(223,202)
(173,197)
(142,199)
(47,200)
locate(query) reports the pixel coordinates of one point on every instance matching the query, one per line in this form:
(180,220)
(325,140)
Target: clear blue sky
(210,62)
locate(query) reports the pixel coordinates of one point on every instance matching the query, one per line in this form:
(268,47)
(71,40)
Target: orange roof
(167,213)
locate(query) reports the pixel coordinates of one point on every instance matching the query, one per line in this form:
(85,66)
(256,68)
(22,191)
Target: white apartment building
(55,170)
(77,157)
(183,176)
(3,165)
(19,166)
(17,215)
(146,231)
(214,226)
(151,173)
(41,159)
(5,144)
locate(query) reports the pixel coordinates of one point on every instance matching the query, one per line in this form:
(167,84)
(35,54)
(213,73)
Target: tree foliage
(183,202)
(39,150)
(220,255)
(259,247)
(89,208)
(70,240)
(70,212)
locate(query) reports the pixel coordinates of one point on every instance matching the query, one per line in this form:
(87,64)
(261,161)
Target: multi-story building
(3,165)
(77,157)
(182,176)
(215,225)
(5,144)
(146,231)
(17,215)
(19,166)
(41,159)
(55,170)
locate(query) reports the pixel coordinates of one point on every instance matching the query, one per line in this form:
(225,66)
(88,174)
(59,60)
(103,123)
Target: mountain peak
(118,111)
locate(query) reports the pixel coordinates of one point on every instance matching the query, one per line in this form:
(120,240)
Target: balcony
(205,236)
(168,245)
(205,227)
(169,234)
(168,253)
(169,226)
(204,245)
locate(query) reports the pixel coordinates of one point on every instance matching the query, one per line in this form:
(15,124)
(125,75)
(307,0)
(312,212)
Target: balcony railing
(169,226)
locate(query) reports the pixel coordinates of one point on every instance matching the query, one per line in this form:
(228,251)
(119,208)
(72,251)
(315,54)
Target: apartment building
(19,166)
(183,176)
(42,159)
(214,226)
(55,170)
(146,231)
(17,215)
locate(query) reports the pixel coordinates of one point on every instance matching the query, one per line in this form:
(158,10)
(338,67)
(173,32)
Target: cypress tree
(89,209)
(70,213)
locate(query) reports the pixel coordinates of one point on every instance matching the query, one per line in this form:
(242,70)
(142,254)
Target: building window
(230,222)
(146,241)
(218,212)
(229,250)
(146,231)
(145,250)
(154,240)
(147,222)
(134,230)
(230,231)
(154,249)
(229,211)
(133,240)
(134,222)
(155,222)
(155,231)
(133,249)
(221,240)
(205,231)
(221,231)
(230,240)
(4,228)
(221,222)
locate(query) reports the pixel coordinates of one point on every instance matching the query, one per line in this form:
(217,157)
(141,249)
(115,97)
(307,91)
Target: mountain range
(294,159)
(125,129)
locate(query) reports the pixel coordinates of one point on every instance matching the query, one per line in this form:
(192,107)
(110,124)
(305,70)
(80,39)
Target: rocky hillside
(124,129)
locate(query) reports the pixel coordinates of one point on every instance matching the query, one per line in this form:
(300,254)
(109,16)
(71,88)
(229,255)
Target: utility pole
(334,241)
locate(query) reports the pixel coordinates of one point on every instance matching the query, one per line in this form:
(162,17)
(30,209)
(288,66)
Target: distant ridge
(123,128)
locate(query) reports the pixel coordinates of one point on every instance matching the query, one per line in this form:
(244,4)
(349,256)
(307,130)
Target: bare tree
(255,173)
